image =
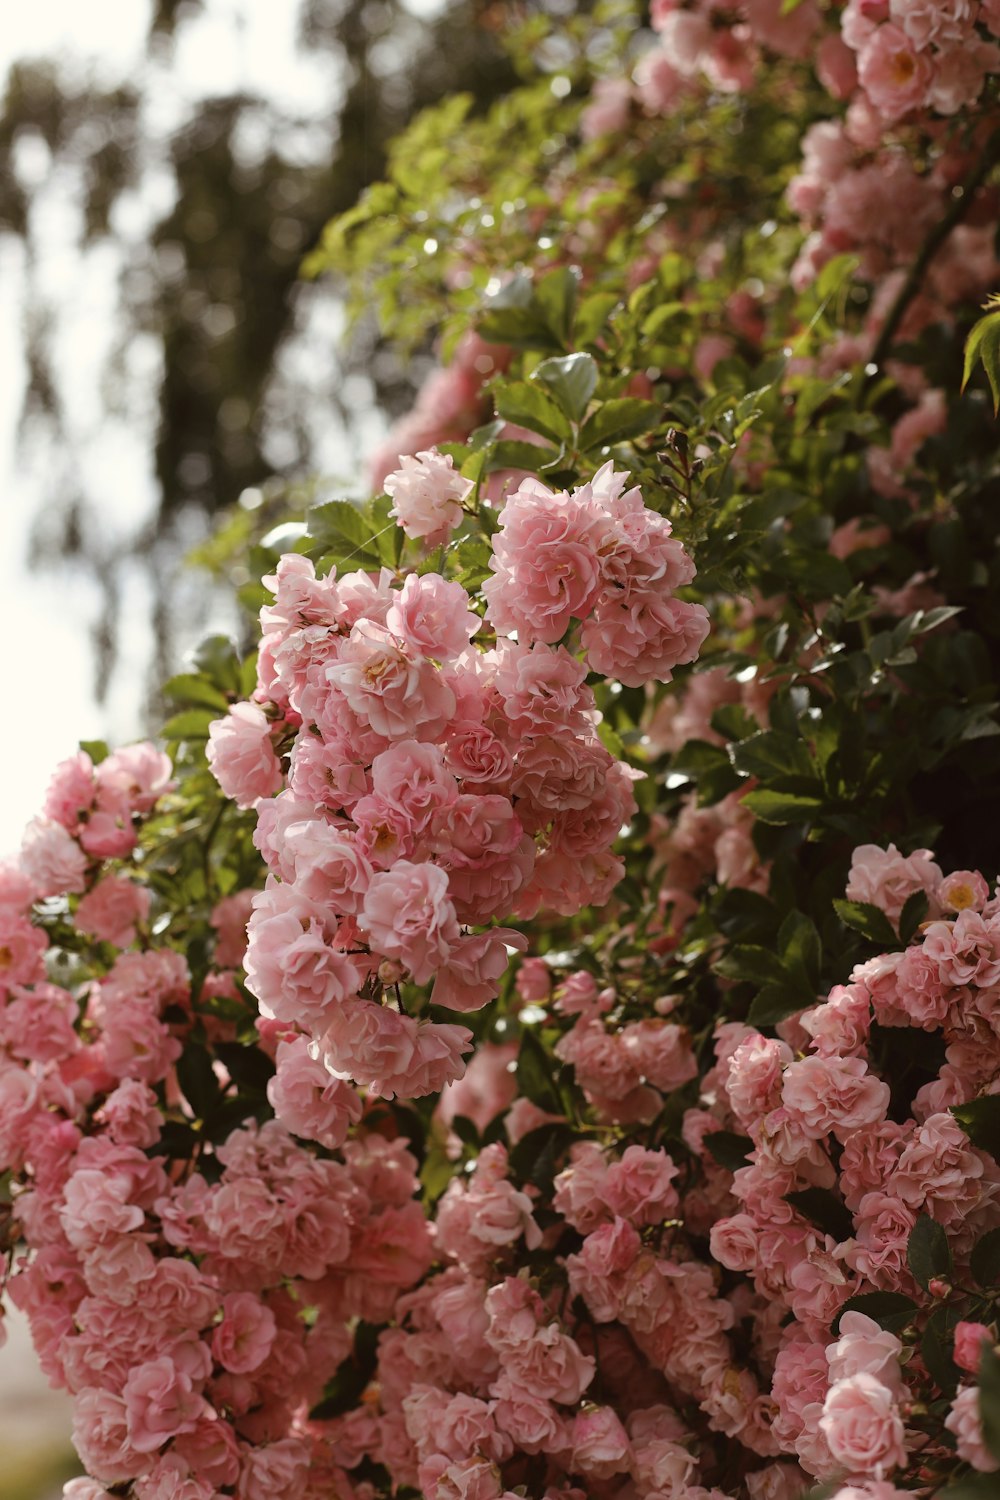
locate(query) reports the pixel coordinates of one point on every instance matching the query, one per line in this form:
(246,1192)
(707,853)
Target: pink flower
(545,563)
(309,1100)
(408,916)
(399,695)
(862,1425)
(969,1338)
(892,73)
(241,755)
(52,859)
(432,617)
(865,1348)
(885,878)
(966,951)
(601,1447)
(243,1340)
(963,890)
(100,1436)
(964,1422)
(837,1094)
(427,494)
(471,976)
(111,910)
(160,1402)
(639,635)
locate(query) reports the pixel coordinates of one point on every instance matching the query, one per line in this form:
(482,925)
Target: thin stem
(959,207)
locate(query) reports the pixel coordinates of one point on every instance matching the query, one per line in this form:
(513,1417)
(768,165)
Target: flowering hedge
(538,1034)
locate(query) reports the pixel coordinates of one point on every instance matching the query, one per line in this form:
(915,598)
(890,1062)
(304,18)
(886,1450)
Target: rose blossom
(241,755)
(863,1427)
(427,494)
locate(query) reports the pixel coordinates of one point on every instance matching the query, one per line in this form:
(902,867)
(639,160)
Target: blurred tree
(211,277)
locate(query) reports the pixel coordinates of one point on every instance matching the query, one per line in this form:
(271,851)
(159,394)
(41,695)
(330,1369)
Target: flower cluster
(436,785)
(195,1316)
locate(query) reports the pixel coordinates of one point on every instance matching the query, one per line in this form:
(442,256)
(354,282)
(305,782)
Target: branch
(959,206)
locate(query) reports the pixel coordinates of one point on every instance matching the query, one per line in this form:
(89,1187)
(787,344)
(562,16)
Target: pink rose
(308,1100)
(432,616)
(862,1425)
(399,695)
(160,1402)
(837,1094)
(52,859)
(886,879)
(111,910)
(427,494)
(968,1351)
(243,1340)
(965,1423)
(545,562)
(241,755)
(408,916)
(601,1447)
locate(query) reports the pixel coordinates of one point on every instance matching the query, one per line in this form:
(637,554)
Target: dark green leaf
(534,1075)
(913,913)
(538,1155)
(555,296)
(751,963)
(729,1149)
(927,1252)
(970,1487)
(769,754)
(776,1002)
(465,1130)
(248,1067)
(341,530)
(782,807)
(890,1310)
(980,1119)
(824,1209)
(626,417)
(936,1347)
(197,1080)
(800,947)
(512,453)
(869,920)
(984,1262)
(345,1390)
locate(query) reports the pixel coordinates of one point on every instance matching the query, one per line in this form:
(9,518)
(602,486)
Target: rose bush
(537,1035)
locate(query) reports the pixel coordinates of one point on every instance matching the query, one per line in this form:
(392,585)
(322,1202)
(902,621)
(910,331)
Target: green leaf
(983,346)
(97,750)
(571,380)
(729,1149)
(625,417)
(769,754)
(824,1209)
(984,1262)
(749,962)
(989,1398)
(341,530)
(776,1002)
(782,807)
(800,947)
(936,1346)
(927,1251)
(190,724)
(980,1119)
(537,1156)
(530,407)
(913,913)
(869,920)
(248,1067)
(890,1310)
(218,659)
(555,296)
(197,1080)
(513,453)
(345,1390)
(534,1075)
(186,687)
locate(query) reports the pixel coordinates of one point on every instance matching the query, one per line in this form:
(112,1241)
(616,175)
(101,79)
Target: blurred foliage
(214,285)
